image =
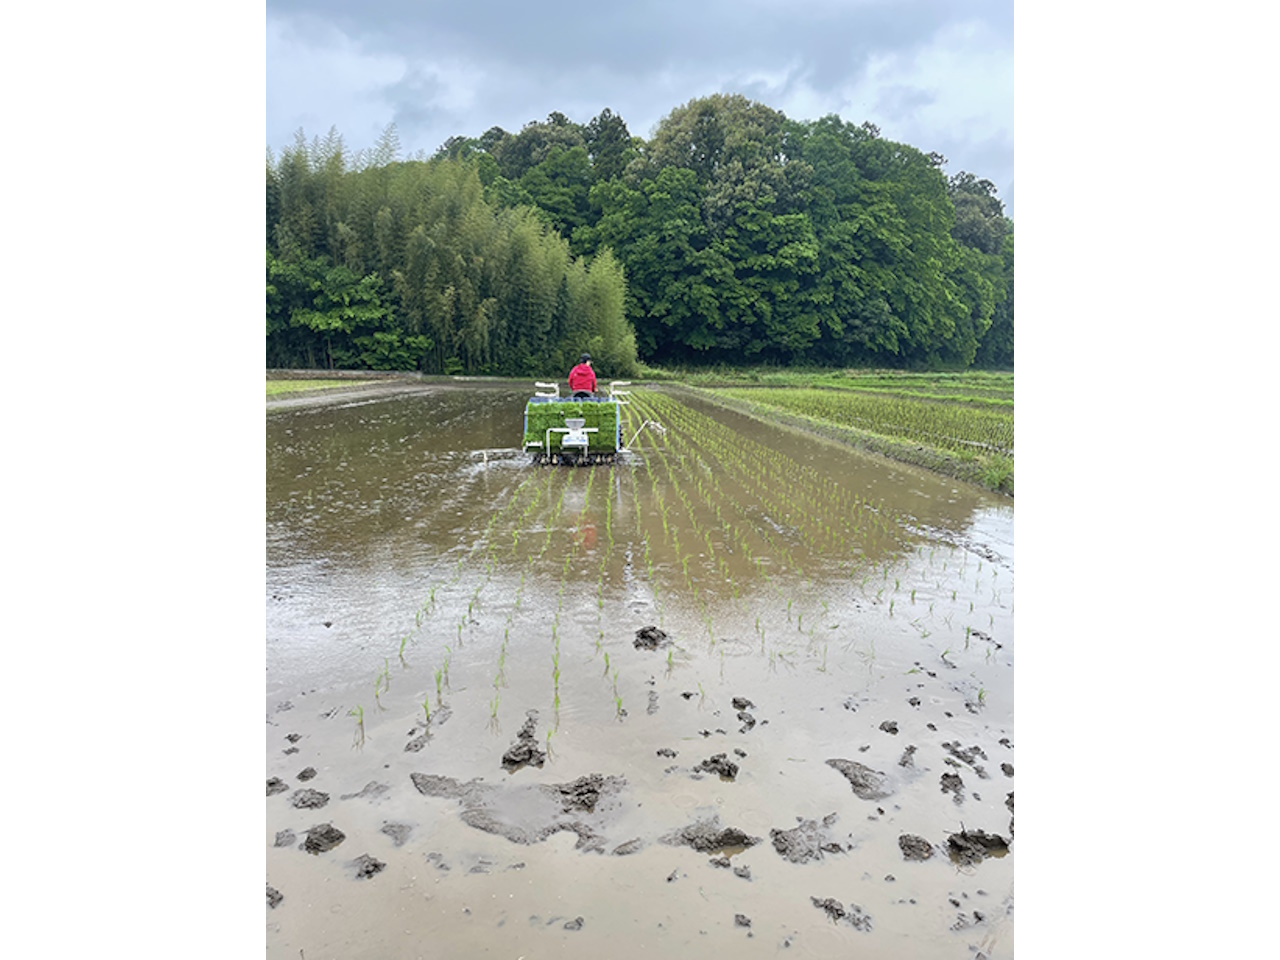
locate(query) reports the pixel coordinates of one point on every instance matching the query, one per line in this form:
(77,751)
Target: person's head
(585,358)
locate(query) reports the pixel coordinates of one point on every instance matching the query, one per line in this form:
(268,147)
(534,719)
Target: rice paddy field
(964,420)
(744,689)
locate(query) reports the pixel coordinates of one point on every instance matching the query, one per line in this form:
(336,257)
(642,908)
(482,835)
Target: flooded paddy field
(742,691)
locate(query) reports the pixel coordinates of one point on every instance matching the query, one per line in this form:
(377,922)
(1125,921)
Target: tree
(608,144)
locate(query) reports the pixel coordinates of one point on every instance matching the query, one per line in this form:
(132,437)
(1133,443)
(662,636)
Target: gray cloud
(438,69)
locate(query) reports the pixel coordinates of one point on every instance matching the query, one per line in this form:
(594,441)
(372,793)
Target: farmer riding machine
(574,431)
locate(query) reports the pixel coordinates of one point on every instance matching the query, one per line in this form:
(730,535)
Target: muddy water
(863,609)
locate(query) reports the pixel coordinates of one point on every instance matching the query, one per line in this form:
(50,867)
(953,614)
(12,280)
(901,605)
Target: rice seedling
(358,713)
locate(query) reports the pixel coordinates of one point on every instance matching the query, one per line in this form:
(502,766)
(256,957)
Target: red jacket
(582,377)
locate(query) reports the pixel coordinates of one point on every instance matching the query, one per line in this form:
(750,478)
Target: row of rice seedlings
(817,497)
(960,428)
(812,502)
(734,532)
(764,494)
(428,605)
(683,497)
(715,501)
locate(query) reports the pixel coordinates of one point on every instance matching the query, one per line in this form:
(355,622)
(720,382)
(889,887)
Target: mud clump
(809,841)
(906,759)
(531,813)
(742,703)
(866,783)
(309,799)
(274,897)
(584,793)
(667,752)
(653,704)
(323,838)
(631,846)
(366,866)
(307,774)
(707,835)
(276,785)
(651,638)
(1008,801)
(721,764)
(741,920)
(914,848)
(836,911)
(748,721)
(966,755)
(744,872)
(890,726)
(525,750)
(369,791)
(285,838)
(1006,769)
(575,924)
(951,783)
(398,832)
(969,847)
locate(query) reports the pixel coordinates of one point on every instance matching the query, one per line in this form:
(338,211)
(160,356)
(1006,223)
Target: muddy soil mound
(707,835)
(969,847)
(914,848)
(366,866)
(308,799)
(719,763)
(809,841)
(274,897)
(651,638)
(836,911)
(525,751)
(323,838)
(952,784)
(531,813)
(866,783)
(398,832)
(585,792)
(370,791)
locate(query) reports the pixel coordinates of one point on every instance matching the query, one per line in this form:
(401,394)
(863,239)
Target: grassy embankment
(276,388)
(956,424)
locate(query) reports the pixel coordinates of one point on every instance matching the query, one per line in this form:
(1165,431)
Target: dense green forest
(734,235)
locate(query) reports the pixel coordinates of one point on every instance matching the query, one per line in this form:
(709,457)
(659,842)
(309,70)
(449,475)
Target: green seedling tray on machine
(542,413)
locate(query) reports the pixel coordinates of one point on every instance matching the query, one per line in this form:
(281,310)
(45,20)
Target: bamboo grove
(733,235)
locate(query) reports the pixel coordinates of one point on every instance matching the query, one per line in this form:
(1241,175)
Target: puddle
(820,606)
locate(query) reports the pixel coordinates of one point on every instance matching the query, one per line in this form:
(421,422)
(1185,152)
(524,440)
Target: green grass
(277,387)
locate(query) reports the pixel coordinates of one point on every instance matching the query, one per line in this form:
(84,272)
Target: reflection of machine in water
(574,431)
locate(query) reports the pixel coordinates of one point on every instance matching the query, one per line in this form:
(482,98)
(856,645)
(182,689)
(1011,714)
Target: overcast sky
(937,74)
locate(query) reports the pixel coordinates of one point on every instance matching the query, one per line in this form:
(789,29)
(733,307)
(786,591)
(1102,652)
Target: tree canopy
(742,235)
